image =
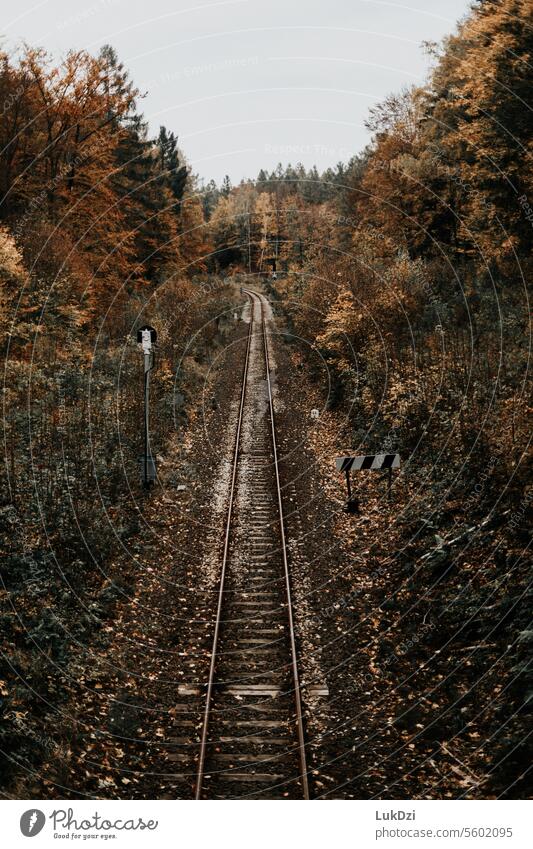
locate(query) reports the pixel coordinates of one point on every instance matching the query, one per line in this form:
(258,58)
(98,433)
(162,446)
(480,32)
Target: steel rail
(294,654)
(212,665)
(294,657)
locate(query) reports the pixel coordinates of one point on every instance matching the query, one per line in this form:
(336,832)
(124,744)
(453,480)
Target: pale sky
(248,83)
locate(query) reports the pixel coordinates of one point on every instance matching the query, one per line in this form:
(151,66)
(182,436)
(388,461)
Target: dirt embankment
(417,616)
(102,734)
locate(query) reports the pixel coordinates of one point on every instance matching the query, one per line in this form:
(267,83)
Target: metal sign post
(352,504)
(146,337)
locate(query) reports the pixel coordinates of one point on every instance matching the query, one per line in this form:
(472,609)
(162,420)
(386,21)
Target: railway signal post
(146,338)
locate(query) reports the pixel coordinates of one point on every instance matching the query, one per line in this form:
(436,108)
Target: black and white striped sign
(368,461)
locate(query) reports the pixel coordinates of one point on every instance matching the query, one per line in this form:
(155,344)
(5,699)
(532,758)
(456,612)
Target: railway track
(252,742)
